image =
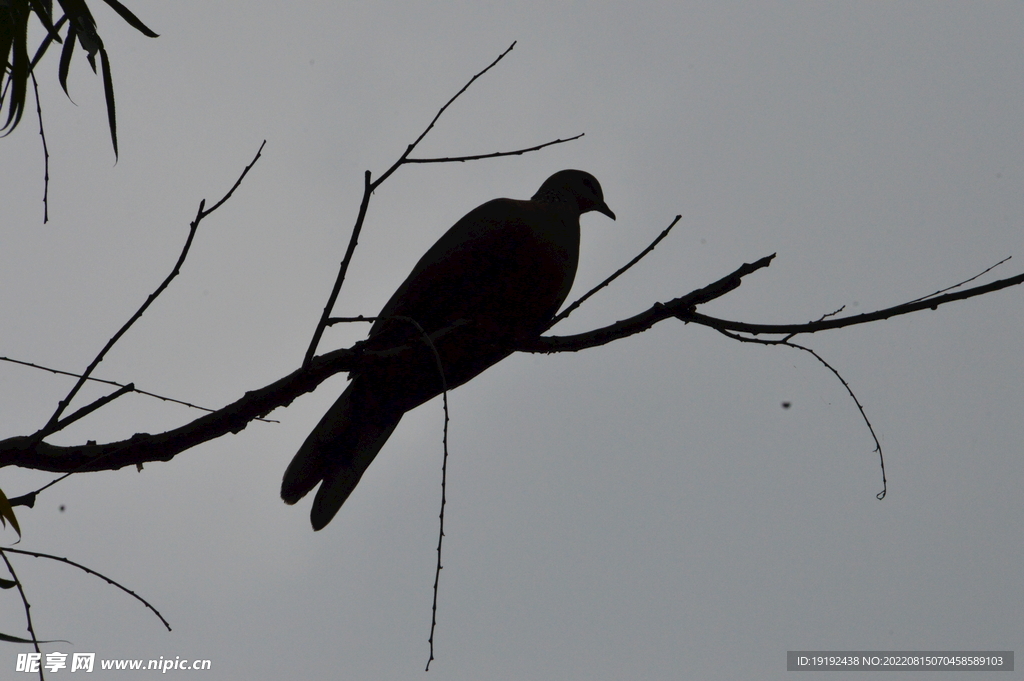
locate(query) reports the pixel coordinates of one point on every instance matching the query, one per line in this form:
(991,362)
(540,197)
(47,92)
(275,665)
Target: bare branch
(931,303)
(965,281)
(456,96)
(51,426)
(343,270)
(31,452)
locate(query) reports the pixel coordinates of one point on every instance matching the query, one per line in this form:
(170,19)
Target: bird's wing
(506,266)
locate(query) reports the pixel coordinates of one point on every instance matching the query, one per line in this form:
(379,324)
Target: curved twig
(36,554)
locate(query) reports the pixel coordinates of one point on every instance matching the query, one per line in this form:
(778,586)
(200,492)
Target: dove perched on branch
(497,276)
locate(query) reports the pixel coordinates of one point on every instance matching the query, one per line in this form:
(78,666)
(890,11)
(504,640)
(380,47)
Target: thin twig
(569,310)
(51,426)
(90,408)
(117,385)
(496,154)
(863,414)
(965,281)
(36,554)
(25,604)
(46,153)
(456,96)
(444,460)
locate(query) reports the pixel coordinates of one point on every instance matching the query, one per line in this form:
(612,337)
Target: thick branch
(28,452)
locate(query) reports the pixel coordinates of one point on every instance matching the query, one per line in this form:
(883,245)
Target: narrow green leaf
(43,12)
(127,15)
(108,90)
(46,42)
(18,80)
(7,512)
(65,58)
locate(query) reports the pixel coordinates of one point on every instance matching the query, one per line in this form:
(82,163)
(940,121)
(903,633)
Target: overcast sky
(643,510)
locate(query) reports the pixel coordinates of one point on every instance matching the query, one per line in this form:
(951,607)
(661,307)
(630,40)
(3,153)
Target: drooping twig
(25,604)
(863,414)
(90,571)
(787,341)
(51,426)
(46,153)
(430,340)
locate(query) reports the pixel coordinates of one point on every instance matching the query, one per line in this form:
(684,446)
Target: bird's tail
(338,451)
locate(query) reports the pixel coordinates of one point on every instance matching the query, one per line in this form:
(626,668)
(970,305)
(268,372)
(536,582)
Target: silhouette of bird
(496,277)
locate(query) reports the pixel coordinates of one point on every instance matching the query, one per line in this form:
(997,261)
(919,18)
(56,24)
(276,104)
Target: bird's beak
(603,208)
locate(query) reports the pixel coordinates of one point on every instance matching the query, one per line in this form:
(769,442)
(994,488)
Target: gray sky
(642,510)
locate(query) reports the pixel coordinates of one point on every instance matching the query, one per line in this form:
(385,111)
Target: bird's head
(577,187)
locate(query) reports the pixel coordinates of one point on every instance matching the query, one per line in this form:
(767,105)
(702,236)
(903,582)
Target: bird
(495,278)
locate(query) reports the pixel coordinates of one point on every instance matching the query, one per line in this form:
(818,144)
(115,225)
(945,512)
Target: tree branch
(53,425)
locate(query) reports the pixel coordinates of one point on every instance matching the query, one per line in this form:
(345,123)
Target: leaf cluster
(79,26)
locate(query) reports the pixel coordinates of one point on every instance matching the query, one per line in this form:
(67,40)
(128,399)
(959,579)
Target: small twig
(36,554)
(454,97)
(569,310)
(46,153)
(51,426)
(25,604)
(863,414)
(89,408)
(496,154)
(681,308)
(965,281)
(118,385)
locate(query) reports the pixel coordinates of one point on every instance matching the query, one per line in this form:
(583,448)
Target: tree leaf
(127,15)
(7,512)
(65,58)
(108,90)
